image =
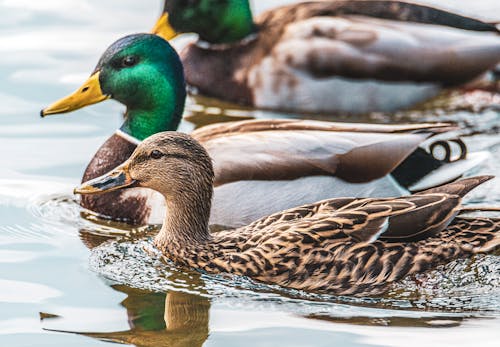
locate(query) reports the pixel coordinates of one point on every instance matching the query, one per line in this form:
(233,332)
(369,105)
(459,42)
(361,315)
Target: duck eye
(129,60)
(156,154)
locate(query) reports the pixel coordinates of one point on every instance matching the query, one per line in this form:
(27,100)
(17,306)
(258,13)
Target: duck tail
(490,246)
(423,170)
(474,234)
(462,238)
(460,187)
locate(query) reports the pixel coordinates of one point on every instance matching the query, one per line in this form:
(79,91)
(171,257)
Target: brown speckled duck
(348,246)
(328,56)
(267,165)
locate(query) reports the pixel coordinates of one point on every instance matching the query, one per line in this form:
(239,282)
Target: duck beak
(89,93)
(113,180)
(163,28)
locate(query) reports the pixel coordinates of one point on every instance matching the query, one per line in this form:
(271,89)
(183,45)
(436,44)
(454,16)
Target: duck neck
(156,105)
(216,22)
(237,22)
(142,123)
(186,220)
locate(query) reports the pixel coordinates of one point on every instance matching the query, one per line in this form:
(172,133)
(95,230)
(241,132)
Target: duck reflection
(155,319)
(159,319)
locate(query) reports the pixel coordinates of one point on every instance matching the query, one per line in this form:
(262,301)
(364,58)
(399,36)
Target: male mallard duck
(269,165)
(328,56)
(341,246)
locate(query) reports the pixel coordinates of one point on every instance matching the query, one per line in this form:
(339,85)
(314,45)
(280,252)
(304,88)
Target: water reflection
(155,318)
(158,319)
(182,319)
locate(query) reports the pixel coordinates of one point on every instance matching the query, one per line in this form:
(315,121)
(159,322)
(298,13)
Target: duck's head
(178,167)
(143,72)
(215,21)
(171,163)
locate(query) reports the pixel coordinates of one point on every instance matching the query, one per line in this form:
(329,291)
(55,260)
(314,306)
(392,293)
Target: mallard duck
(340,246)
(328,56)
(260,162)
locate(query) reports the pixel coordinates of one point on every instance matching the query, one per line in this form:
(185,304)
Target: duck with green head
(264,165)
(328,56)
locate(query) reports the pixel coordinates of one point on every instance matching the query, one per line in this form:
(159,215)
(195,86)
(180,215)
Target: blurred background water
(50,281)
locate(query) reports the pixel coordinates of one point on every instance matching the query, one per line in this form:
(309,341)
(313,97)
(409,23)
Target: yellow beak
(89,93)
(163,28)
(115,179)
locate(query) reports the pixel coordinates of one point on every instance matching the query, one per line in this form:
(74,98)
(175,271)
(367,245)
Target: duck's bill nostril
(90,93)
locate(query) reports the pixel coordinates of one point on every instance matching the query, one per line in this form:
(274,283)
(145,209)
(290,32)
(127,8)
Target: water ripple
(460,289)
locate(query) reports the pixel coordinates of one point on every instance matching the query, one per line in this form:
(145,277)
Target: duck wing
(277,150)
(404,219)
(409,12)
(209,132)
(362,47)
(346,245)
(350,245)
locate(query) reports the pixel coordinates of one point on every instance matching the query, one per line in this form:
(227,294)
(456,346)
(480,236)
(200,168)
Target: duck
(332,57)
(259,162)
(341,246)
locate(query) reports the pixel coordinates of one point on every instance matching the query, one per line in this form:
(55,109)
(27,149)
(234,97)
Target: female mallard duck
(328,56)
(259,162)
(341,246)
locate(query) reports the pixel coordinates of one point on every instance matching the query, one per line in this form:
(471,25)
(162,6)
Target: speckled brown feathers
(335,247)
(349,246)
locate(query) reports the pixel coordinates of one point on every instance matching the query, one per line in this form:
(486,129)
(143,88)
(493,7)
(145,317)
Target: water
(52,285)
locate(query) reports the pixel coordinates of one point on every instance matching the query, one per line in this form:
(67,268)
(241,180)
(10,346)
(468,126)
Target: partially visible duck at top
(268,165)
(328,56)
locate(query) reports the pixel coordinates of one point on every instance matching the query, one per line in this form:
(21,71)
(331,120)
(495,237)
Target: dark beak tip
(42,114)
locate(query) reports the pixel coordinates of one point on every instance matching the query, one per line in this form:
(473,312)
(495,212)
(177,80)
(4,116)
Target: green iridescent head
(144,73)
(215,21)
